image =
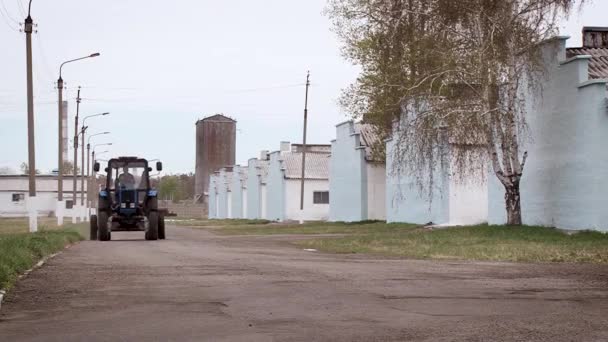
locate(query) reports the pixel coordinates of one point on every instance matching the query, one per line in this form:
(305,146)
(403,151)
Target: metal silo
(215,148)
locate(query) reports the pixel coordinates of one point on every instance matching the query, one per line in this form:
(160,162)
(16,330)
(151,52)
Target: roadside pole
(304,150)
(60,203)
(75,174)
(82,205)
(31,203)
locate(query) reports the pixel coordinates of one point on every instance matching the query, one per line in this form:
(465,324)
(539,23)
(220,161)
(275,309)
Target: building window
(69,204)
(18,197)
(320,197)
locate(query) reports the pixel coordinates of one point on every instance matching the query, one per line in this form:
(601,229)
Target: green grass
(238,227)
(215,223)
(20,250)
(491,243)
(483,242)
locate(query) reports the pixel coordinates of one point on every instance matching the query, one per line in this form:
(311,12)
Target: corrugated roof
(598,64)
(317,165)
(369,138)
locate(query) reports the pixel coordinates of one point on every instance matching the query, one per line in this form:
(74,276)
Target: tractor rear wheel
(103,228)
(152,232)
(161,227)
(93,227)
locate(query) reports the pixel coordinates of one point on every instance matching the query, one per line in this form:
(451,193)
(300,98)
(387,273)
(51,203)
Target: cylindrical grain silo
(215,148)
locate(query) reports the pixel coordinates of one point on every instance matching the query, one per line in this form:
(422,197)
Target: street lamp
(92,199)
(60,206)
(84,128)
(82,131)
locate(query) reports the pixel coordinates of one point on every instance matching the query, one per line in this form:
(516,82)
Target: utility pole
(84,129)
(32,205)
(75,174)
(304,149)
(60,205)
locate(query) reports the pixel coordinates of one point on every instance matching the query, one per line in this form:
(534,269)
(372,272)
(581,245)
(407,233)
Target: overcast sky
(165,64)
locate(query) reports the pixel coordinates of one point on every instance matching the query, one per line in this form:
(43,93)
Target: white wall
(46,195)
(468,201)
(564,182)
(263,200)
(212,197)
(312,212)
(236,187)
(376,191)
(275,189)
(348,176)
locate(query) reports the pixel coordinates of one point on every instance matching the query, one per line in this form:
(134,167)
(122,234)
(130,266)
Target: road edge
(39,264)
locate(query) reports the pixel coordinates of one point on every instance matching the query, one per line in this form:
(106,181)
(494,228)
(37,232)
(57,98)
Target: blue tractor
(127,202)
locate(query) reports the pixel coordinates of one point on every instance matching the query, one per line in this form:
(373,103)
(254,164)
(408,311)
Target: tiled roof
(317,165)
(598,64)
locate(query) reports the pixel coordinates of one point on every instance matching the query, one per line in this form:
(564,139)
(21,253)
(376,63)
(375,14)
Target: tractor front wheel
(103,228)
(93,227)
(152,232)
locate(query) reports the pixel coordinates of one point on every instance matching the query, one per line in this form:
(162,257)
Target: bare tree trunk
(513,203)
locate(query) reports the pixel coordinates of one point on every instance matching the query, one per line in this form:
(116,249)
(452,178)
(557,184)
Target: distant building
(257,174)
(564,182)
(357,178)
(215,148)
(284,182)
(14,191)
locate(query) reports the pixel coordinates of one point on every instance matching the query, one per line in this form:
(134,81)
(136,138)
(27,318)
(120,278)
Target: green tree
(448,70)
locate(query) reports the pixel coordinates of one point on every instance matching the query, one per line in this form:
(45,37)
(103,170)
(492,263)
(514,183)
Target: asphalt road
(196,286)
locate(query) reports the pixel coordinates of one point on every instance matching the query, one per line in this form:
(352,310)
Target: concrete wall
(256,190)
(564,183)
(275,189)
(238,187)
(453,199)
(406,202)
(348,176)
(212,203)
(312,212)
(376,191)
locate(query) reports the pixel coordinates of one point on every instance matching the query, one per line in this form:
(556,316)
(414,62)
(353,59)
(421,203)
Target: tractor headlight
(123,205)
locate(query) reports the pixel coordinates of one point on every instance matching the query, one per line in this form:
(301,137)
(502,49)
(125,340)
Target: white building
(564,182)
(238,192)
(449,199)
(284,179)
(223,198)
(14,193)
(257,170)
(357,181)
(213,196)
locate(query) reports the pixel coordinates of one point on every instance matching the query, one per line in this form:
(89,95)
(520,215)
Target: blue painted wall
(348,176)
(405,202)
(565,181)
(253,190)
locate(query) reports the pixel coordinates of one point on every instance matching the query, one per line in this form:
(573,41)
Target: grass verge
(234,227)
(20,250)
(491,243)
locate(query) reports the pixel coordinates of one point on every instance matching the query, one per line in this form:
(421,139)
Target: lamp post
(82,175)
(60,205)
(32,205)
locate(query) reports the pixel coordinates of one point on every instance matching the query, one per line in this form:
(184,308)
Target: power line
(7,18)
(8,13)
